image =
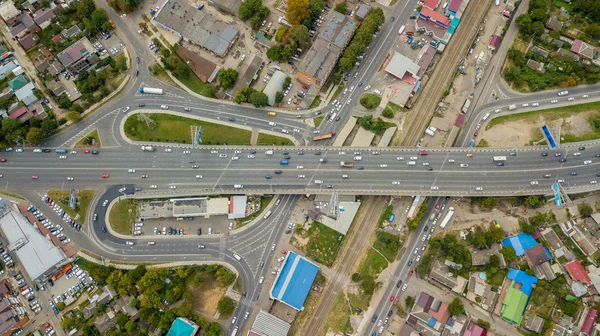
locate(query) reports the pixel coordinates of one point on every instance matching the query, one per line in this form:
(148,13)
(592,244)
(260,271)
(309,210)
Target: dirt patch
(523,131)
(207,296)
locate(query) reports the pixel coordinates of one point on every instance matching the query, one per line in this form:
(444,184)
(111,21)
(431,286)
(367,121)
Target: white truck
(151,90)
(148,148)
(430,131)
(447,218)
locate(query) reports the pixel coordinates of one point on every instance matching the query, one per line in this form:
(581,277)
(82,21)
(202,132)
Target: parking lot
(217,224)
(69,286)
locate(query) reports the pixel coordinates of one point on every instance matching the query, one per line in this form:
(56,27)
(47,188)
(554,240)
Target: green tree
(297,11)
(278,97)
(300,37)
(341,7)
(370,101)
(524,24)
(258,99)
(275,53)
(227,77)
(508,253)
(73,116)
(456,307)
(10,125)
(226,306)
(281,33)
(570,308)
(181,71)
(99,19)
(494,261)
(584,209)
(35,135)
(409,301)
(368,284)
(533,202)
(48,126)
(593,30)
(130,326)
(213,329)
(489,202)
(388,113)
(512,73)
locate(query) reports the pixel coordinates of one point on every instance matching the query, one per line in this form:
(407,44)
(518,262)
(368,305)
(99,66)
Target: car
(475,134)
(534,182)
(35,177)
(404,287)
(284,252)
(251,156)
(273,247)
(585,96)
(69,179)
(392,19)
(367,87)
(63,157)
(478,188)
(246,315)
(95,152)
(593,182)
(577,154)
(562,160)
(125,109)
(411,272)
(574,173)
(535,104)
(173,187)
(129,243)
(571,98)
(409,262)
(261,280)
(131,170)
(563,93)
(544,154)
(392,298)
(105,176)
(399,283)
(374,319)
(435,188)
(587,162)
(581,148)
(383,165)
(2,160)
(153,186)
(464,165)
(554,101)
(525,105)
(87,151)
(268,177)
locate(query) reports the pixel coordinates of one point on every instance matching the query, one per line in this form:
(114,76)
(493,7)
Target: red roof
(454,5)
(435,16)
(431,3)
(590,319)
(18,113)
(577,272)
(475,330)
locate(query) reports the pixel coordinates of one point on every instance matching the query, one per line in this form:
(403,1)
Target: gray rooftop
(400,64)
(275,85)
(320,59)
(266,324)
(36,253)
(338,29)
(363,10)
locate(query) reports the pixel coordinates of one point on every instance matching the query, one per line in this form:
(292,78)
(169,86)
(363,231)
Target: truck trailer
(324,136)
(346,164)
(151,90)
(447,218)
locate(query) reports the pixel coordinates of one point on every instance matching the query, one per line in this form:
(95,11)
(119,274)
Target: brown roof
(424,301)
(536,255)
(202,67)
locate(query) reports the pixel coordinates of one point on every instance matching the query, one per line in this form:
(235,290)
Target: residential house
(430,311)
(56,87)
(26,94)
(534,323)
(454,6)
(229,6)
(105,322)
(482,257)
(54,68)
(554,23)
(104,297)
(577,272)
(42,65)
(22,114)
(89,310)
(28,41)
(538,260)
(566,53)
(17,83)
(475,330)
(123,304)
(320,60)
(435,17)
(9,12)
(7,68)
(535,65)
(57,39)
(29,23)
(564,14)
(363,10)
(589,322)
(43,17)
(594,274)
(494,42)
(583,49)
(424,59)
(80,56)
(540,51)
(9,320)
(71,32)
(479,288)
(203,68)
(442,274)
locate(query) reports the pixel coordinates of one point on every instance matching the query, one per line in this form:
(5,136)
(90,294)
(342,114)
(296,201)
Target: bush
(342,8)
(370,101)
(388,113)
(585,209)
(375,125)
(226,306)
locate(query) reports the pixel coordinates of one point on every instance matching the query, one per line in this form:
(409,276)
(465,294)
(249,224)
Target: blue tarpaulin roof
(431,322)
(520,243)
(525,279)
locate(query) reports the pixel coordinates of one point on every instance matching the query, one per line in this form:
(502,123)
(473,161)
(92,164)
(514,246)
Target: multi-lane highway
(398,171)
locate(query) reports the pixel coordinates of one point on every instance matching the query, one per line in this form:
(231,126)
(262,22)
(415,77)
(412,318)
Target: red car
(437,206)
(2,160)
(284,252)
(35,177)
(475,134)
(392,298)
(305,87)
(411,272)
(87,151)
(105,175)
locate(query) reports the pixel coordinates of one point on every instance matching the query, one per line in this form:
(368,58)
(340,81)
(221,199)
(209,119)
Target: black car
(104,228)
(429,168)
(426,228)
(287,157)
(141,104)
(278,172)
(318,153)
(598,174)
(137,59)
(243,294)
(374,318)
(199,231)
(46,150)
(137,73)
(582,148)
(574,173)
(300,153)
(290,63)
(286,153)
(231,119)
(499,163)
(399,283)
(95,152)
(360,167)
(544,154)
(562,160)
(390,313)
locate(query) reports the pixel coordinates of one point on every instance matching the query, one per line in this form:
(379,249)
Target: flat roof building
(399,65)
(80,56)
(293,283)
(183,327)
(435,17)
(266,324)
(203,68)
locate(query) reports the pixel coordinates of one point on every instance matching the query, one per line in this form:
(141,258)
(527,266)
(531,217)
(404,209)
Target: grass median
(162,127)
(269,140)
(84,198)
(122,215)
(92,140)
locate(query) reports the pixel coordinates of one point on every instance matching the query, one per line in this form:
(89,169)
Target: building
(540,51)
(17,83)
(494,42)
(520,243)
(105,322)
(363,10)
(71,32)
(424,59)
(583,49)
(321,58)
(237,206)
(479,288)
(431,4)
(104,297)
(56,87)
(594,274)
(534,323)
(475,330)
(442,274)
(435,17)
(7,68)
(123,304)
(430,312)
(22,114)
(203,68)
(518,288)
(537,255)
(589,322)
(26,94)
(266,324)
(554,23)
(566,53)
(9,12)
(28,41)
(275,85)
(183,327)
(400,66)
(292,284)
(38,256)
(196,26)
(229,6)
(43,17)
(577,272)
(80,56)
(535,65)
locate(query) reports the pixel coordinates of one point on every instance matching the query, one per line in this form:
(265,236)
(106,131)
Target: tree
(584,209)
(130,325)
(300,37)
(512,73)
(48,125)
(508,253)
(278,97)
(274,53)
(593,30)
(10,125)
(489,202)
(213,329)
(537,28)
(370,100)
(341,7)
(524,24)
(181,71)
(73,116)
(494,261)
(297,11)
(570,308)
(99,19)
(226,306)
(281,34)
(456,307)
(35,135)
(409,301)
(533,201)
(368,284)
(258,99)
(228,77)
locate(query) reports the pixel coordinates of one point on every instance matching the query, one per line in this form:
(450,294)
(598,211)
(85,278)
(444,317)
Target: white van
(238,186)
(164,107)
(358,158)
(237,256)
(209,230)
(377,92)
(318,182)
(411,163)
(272,123)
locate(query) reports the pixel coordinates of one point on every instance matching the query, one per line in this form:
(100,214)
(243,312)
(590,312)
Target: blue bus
(391,219)
(60,150)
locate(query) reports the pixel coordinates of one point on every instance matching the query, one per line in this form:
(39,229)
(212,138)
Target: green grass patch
(359,301)
(195,84)
(337,92)
(237,285)
(316,102)
(324,243)
(265,139)
(6,193)
(264,201)
(338,319)
(393,2)
(122,216)
(388,244)
(370,101)
(84,198)
(373,264)
(497,278)
(158,72)
(391,109)
(170,128)
(86,142)
(318,120)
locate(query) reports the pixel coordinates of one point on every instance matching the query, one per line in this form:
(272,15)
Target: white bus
(499,158)
(332,119)
(268,214)
(401,30)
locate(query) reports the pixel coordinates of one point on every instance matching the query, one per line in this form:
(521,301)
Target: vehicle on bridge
(346,164)
(499,158)
(324,136)
(151,90)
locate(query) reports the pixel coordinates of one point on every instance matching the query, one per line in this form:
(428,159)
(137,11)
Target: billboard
(73,199)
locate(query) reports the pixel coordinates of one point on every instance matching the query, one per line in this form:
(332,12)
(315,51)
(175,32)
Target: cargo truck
(447,218)
(151,90)
(148,148)
(324,136)
(346,164)
(512,107)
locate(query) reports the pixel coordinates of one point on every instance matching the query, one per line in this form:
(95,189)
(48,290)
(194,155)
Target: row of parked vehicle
(62,213)
(55,230)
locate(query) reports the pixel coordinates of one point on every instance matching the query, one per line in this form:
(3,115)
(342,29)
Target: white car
(285,131)
(186,152)
(383,165)
(562,93)
(317,132)
(168,150)
(73,152)
(554,101)
(435,188)
(251,156)
(173,187)
(273,247)
(419,257)
(222,155)
(478,188)
(525,105)
(153,186)
(341,153)
(367,87)
(587,162)
(69,179)
(571,98)
(301,176)
(577,153)
(399,158)
(497,110)
(534,182)
(125,109)
(593,182)
(261,280)
(535,104)
(464,165)
(131,170)
(198,176)
(63,157)
(585,96)
(404,287)
(395,182)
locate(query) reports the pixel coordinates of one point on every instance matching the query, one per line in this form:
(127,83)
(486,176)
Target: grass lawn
(83,143)
(84,197)
(391,107)
(122,215)
(195,84)
(264,201)
(6,193)
(338,319)
(170,128)
(316,102)
(324,243)
(552,115)
(498,277)
(269,139)
(318,120)
(358,301)
(160,73)
(388,244)
(373,264)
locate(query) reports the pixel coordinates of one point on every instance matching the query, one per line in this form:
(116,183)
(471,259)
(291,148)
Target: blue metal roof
(520,243)
(295,280)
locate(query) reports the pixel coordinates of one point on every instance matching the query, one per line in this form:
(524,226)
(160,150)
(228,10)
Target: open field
(324,243)
(338,319)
